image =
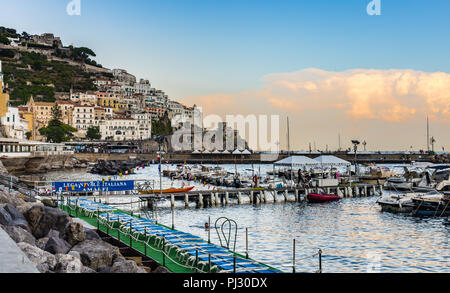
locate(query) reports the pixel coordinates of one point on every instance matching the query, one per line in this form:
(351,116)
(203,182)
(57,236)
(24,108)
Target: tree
(93,133)
(56,113)
(56,131)
(163,126)
(28,135)
(4,40)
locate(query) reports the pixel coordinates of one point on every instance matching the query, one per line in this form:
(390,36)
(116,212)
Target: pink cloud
(365,97)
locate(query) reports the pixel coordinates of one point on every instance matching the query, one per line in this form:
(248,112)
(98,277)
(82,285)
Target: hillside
(28,72)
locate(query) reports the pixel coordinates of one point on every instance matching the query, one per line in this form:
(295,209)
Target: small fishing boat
(165,191)
(320,198)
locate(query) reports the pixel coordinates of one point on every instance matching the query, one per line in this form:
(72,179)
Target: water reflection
(353,234)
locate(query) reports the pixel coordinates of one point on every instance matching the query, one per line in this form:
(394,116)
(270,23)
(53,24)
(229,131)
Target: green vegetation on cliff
(28,73)
(163,126)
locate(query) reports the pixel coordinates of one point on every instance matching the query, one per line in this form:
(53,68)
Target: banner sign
(91,186)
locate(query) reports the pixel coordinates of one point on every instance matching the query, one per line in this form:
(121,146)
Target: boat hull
(317,198)
(166,191)
(396,208)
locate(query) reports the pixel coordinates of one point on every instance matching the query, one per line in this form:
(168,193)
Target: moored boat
(321,198)
(403,203)
(165,191)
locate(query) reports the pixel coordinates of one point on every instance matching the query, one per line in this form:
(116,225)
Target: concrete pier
(12,259)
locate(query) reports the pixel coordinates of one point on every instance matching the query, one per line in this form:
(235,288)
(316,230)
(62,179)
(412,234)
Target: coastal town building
(119,129)
(83,118)
(122,108)
(13,125)
(84,99)
(144,125)
(66,108)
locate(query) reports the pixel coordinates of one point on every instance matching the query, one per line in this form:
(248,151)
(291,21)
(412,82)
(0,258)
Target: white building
(84,98)
(119,129)
(14,126)
(144,125)
(82,118)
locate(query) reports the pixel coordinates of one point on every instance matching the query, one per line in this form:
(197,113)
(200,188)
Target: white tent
(297,161)
(196,152)
(217,152)
(226,152)
(206,152)
(237,152)
(331,161)
(246,152)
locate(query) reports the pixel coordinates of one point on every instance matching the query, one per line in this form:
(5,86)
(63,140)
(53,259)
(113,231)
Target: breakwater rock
(56,244)
(116,167)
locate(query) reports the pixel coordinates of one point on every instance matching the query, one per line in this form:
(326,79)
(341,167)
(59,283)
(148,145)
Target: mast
(288,137)
(339,138)
(428,134)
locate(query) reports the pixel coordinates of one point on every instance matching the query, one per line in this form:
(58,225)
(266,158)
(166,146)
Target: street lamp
(355,148)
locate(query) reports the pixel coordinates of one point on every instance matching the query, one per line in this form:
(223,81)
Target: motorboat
(376,175)
(403,202)
(432,207)
(398,183)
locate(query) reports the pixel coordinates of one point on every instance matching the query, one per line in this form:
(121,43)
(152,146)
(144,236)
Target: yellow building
(109,102)
(4,97)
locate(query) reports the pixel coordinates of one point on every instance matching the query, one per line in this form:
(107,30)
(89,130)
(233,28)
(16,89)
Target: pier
(221,198)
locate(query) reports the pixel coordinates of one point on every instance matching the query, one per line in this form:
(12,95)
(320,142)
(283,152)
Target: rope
(445,209)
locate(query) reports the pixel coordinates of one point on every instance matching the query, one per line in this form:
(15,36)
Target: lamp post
(355,148)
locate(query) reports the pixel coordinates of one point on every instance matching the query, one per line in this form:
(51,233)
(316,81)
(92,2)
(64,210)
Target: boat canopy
(297,161)
(332,161)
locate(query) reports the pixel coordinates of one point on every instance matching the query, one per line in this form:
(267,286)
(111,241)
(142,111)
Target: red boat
(320,198)
(170,190)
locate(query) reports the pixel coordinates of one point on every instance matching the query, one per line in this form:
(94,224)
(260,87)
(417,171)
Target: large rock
(91,235)
(53,233)
(24,208)
(74,233)
(13,212)
(67,264)
(17,217)
(41,243)
(19,234)
(127,267)
(57,246)
(16,200)
(87,270)
(44,261)
(161,270)
(97,254)
(5,217)
(43,219)
(48,202)
(3,198)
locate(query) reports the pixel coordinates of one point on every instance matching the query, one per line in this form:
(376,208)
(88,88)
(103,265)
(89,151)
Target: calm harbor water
(353,234)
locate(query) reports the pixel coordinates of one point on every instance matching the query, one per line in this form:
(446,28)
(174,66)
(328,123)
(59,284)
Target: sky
(327,64)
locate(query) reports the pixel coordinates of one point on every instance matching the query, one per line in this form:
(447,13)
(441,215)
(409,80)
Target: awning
(332,161)
(297,161)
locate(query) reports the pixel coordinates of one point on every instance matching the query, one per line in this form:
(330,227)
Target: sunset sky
(326,64)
